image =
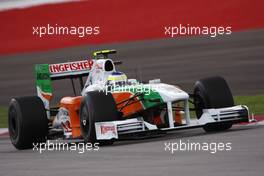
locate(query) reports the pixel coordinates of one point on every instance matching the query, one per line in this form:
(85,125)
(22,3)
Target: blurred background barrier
(119,20)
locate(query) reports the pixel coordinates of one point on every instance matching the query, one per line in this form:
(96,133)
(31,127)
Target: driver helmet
(117,79)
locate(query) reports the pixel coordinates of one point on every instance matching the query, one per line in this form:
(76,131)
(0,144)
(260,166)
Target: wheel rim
(13,123)
(84,120)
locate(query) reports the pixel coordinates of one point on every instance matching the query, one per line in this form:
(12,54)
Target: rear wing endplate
(46,73)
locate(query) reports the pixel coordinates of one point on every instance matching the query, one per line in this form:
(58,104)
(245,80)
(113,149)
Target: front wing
(117,129)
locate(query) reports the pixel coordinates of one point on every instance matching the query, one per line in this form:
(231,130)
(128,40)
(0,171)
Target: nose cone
(169,93)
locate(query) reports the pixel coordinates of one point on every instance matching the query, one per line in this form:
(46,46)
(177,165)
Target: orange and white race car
(112,107)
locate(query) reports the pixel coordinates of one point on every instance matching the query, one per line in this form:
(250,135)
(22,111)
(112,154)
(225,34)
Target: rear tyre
(96,107)
(27,122)
(212,92)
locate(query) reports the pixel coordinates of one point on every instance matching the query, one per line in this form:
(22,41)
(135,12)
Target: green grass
(255,104)
(3,117)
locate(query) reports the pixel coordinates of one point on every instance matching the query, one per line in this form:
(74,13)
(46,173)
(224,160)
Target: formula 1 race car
(112,107)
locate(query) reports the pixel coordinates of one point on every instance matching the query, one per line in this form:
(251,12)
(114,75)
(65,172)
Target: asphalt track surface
(146,157)
(239,58)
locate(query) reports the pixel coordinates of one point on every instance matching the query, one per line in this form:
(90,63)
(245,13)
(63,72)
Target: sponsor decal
(108,129)
(71,66)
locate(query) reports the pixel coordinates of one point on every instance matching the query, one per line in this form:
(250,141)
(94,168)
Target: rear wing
(70,69)
(46,73)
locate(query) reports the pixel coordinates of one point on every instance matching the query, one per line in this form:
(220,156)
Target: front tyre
(27,122)
(212,92)
(96,107)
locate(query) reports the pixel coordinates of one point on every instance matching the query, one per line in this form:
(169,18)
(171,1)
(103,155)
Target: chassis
(103,116)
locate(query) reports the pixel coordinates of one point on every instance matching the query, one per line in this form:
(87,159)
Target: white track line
(20,4)
(3,131)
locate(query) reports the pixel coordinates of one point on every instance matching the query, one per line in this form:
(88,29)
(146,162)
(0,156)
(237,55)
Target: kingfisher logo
(71,66)
(108,129)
